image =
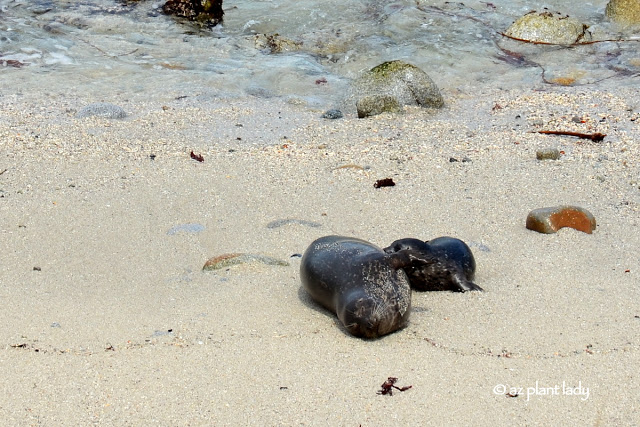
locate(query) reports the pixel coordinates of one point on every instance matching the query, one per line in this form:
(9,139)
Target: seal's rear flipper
(466,286)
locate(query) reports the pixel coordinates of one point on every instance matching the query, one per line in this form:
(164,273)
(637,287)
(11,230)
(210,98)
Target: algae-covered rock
(393,84)
(548,27)
(377,104)
(624,12)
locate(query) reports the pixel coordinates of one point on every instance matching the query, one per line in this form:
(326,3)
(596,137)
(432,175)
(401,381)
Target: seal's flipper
(464,285)
(433,271)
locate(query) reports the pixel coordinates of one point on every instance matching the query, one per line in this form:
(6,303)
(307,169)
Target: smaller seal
(366,287)
(444,263)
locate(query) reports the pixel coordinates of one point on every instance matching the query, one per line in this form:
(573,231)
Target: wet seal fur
(452,267)
(366,287)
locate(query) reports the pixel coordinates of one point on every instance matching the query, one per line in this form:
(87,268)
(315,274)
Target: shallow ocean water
(103,50)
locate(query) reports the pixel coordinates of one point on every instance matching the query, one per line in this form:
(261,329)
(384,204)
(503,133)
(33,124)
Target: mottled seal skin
(366,287)
(444,263)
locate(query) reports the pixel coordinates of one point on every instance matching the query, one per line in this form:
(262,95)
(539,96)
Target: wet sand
(109,319)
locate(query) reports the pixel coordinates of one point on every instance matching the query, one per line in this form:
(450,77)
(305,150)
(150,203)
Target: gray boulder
(391,85)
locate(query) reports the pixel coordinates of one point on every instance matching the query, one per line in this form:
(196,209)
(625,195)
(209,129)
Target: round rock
(404,82)
(549,27)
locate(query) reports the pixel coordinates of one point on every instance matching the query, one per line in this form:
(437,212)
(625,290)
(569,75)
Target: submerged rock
(624,12)
(548,27)
(205,12)
(393,84)
(275,43)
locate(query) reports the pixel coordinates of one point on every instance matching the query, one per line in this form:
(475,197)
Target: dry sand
(107,319)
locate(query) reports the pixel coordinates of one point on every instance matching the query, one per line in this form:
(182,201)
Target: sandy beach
(106,224)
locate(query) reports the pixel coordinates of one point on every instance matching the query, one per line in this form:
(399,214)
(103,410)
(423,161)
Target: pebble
(227,260)
(548,154)
(332,114)
(551,219)
(102,109)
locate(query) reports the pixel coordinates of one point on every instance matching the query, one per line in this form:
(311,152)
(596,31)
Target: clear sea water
(106,49)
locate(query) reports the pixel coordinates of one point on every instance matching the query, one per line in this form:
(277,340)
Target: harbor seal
(366,287)
(452,265)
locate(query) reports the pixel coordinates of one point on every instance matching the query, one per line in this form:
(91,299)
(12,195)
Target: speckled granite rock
(548,27)
(624,12)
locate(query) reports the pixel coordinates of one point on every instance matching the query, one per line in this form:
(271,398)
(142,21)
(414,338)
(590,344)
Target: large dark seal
(358,281)
(452,267)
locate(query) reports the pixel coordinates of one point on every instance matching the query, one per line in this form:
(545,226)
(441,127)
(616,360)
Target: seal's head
(444,263)
(368,317)
(408,243)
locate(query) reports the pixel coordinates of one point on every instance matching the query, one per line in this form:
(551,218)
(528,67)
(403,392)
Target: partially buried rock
(185,228)
(282,222)
(377,104)
(549,220)
(102,109)
(332,114)
(391,85)
(205,12)
(228,260)
(624,12)
(548,27)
